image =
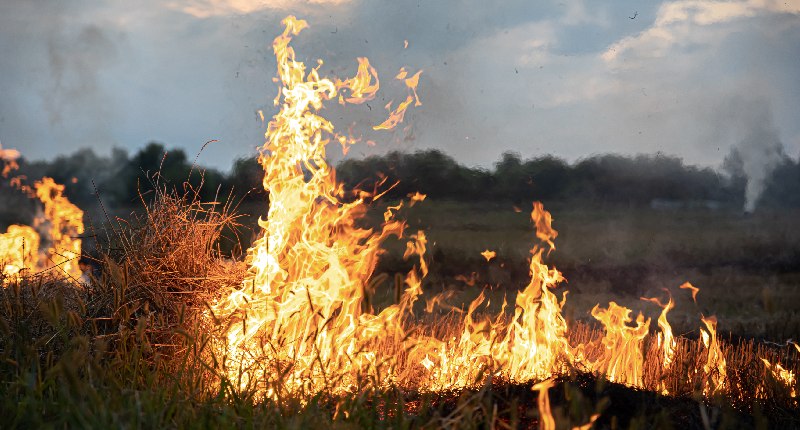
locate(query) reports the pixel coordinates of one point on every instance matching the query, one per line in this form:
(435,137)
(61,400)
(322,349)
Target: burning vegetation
(60,221)
(294,330)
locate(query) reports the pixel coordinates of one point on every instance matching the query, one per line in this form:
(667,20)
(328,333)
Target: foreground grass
(132,350)
(64,365)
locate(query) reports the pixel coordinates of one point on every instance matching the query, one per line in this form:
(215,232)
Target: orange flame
(786,377)
(546,419)
(9,158)
(714,369)
(302,302)
(692,288)
(65,226)
(416,197)
(622,359)
(302,321)
(488,255)
(62,221)
(19,249)
(396,116)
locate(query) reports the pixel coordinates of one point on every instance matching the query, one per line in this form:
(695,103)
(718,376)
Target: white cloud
(209,8)
(676,21)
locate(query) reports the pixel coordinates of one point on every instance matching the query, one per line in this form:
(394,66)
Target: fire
(302,307)
(692,288)
(19,249)
(786,377)
(9,158)
(546,419)
(488,255)
(665,339)
(303,322)
(61,220)
(64,223)
(416,197)
(714,368)
(396,116)
(622,358)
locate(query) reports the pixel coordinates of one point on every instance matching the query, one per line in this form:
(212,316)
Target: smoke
(759,152)
(75,61)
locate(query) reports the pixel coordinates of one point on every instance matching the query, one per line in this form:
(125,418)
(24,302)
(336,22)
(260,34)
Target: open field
(135,350)
(746,266)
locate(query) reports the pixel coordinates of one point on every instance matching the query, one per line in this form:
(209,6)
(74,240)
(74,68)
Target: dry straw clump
(166,260)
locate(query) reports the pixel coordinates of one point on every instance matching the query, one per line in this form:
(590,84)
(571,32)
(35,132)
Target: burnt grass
(574,399)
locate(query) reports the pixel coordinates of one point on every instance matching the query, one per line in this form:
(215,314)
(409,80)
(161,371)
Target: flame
(396,116)
(714,369)
(786,377)
(62,222)
(665,339)
(9,158)
(622,359)
(303,303)
(416,197)
(546,419)
(303,322)
(19,249)
(65,222)
(532,345)
(361,87)
(692,288)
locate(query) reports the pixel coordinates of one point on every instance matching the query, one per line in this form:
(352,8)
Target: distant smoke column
(761,152)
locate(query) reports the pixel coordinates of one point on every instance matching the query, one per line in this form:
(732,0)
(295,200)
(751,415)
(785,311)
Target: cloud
(210,8)
(569,78)
(675,24)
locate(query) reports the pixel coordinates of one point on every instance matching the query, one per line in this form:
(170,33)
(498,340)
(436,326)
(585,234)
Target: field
(132,351)
(747,267)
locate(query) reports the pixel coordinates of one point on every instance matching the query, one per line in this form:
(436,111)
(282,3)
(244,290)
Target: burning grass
(135,350)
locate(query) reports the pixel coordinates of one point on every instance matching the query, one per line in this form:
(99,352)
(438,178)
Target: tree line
(122,179)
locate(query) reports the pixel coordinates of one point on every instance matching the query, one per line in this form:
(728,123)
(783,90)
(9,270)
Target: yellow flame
(532,345)
(396,116)
(303,322)
(303,304)
(786,377)
(546,419)
(622,359)
(19,249)
(62,223)
(416,197)
(714,368)
(666,340)
(9,158)
(65,225)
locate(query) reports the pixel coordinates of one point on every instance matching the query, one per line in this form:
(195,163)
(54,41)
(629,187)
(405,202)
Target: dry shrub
(164,263)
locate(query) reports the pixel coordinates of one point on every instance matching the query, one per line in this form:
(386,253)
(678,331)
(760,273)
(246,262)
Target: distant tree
(154,166)
(246,179)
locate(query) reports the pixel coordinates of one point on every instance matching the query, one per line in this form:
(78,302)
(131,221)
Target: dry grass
(133,351)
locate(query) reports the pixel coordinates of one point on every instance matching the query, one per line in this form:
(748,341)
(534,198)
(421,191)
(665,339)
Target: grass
(133,351)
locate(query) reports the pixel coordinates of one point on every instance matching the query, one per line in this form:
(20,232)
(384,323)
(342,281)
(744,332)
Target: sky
(568,78)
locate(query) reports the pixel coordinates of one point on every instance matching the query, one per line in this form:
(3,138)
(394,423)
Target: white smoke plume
(758,153)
